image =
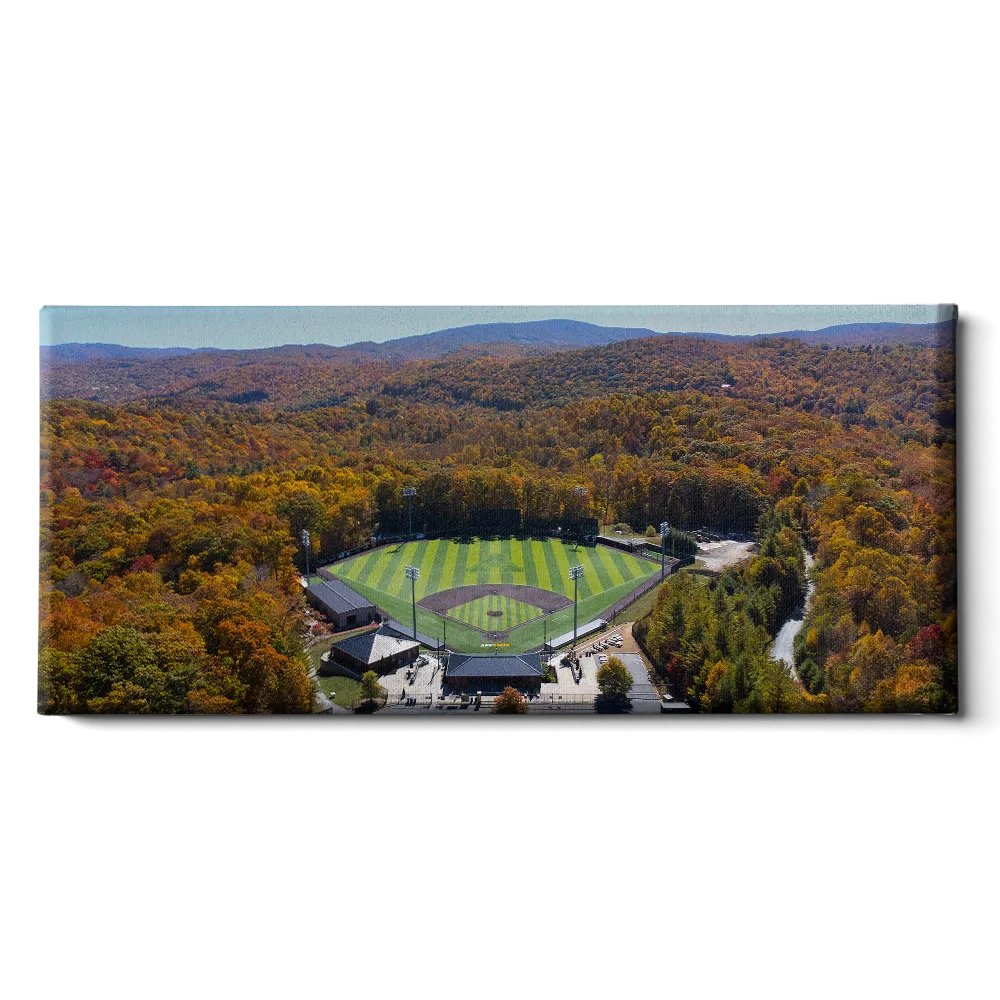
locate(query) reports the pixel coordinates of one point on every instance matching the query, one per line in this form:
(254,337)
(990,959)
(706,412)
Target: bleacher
(595,626)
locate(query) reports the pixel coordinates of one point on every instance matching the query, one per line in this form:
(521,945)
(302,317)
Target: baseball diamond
(495,611)
(542,600)
(526,578)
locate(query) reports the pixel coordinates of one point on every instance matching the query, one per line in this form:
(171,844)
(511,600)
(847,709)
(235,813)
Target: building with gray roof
(381,650)
(492,672)
(344,607)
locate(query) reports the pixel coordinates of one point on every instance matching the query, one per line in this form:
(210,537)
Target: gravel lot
(718,555)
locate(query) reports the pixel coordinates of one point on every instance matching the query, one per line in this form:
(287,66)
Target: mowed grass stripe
(558,563)
(424,561)
(396,584)
(584,557)
(383,564)
(613,571)
(494,574)
(461,564)
(517,557)
(591,575)
(528,562)
(644,567)
(549,567)
(445,582)
(606,578)
(383,580)
(436,569)
(623,564)
(525,612)
(566,557)
(384,569)
(364,568)
(359,565)
(471,576)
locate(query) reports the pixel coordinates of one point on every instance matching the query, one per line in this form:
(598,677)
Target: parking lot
(589,653)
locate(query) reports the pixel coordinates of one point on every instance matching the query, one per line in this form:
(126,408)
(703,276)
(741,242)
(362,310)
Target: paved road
(643,695)
(784,648)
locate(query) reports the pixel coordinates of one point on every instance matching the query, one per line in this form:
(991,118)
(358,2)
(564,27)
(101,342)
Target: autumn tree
(779,692)
(510,701)
(614,680)
(269,680)
(114,654)
(914,687)
(371,690)
(871,660)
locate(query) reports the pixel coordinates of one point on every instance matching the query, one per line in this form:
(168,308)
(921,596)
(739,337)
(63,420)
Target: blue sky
(271,326)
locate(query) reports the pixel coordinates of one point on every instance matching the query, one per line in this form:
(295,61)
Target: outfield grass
(380,575)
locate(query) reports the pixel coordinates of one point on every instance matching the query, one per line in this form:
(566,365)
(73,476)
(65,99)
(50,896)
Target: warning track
(444,600)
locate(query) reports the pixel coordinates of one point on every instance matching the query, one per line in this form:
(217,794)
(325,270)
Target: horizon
(252,327)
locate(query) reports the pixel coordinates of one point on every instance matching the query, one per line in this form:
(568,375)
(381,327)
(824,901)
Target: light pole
(413,574)
(575,572)
(305,542)
(581,492)
(410,492)
(664,531)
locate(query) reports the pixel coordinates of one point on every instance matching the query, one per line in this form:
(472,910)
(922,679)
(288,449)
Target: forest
(170,511)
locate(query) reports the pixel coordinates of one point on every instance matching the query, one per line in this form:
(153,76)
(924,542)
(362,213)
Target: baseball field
(514,590)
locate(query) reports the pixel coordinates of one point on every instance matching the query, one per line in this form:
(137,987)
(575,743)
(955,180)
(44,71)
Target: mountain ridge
(535,335)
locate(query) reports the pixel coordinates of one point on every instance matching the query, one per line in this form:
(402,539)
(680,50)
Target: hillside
(322,375)
(52,355)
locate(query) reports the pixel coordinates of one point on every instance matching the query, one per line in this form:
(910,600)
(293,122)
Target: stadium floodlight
(413,574)
(410,492)
(305,542)
(575,572)
(581,492)
(664,531)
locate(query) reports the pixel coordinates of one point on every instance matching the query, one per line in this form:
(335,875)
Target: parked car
(602,659)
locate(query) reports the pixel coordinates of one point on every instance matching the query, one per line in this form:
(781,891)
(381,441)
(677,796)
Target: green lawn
(640,608)
(341,691)
(608,575)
